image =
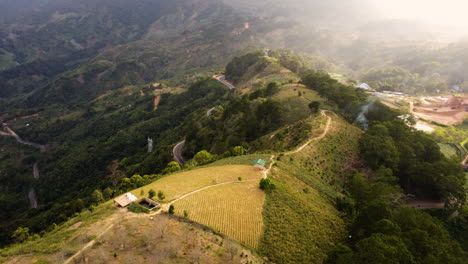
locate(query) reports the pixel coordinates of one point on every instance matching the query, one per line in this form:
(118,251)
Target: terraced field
(176,185)
(233,209)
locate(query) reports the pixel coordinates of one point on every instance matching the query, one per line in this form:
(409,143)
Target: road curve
(36,170)
(222,79)
(325,132)
(208,113)
(177,153)
(12,133)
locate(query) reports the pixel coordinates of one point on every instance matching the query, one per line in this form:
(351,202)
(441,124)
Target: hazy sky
(444,12)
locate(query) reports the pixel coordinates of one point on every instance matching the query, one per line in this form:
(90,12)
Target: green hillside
(301,222)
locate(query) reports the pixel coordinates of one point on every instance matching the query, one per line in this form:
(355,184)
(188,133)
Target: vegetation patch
(176,185)
(234,210)
(301,222)
(451,151)
(63,238)
(300,226)
(325,164)
(292,136)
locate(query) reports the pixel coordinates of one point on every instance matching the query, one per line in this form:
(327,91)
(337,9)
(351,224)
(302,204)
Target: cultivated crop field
(176,185)
(234,210)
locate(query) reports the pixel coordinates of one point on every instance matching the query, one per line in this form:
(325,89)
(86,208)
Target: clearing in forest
(176,185)
(234,210)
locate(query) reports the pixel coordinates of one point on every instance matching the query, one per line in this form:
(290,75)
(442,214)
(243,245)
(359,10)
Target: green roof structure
(260,162)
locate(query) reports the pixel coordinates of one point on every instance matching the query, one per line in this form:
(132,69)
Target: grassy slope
(292,135)
(301,223)
(69,237)
(164,239)
(63,240)
(178,184)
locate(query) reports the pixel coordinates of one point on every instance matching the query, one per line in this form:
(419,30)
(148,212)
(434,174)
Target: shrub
(267,185)
(171,209)
(238,151)
(161,196)
(97,197)
(203,157)
(107,193)
(151,193)
(172,167)
(21,234)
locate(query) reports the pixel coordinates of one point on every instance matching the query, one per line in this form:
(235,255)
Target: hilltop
(225,206)
(325,180)
(298,123)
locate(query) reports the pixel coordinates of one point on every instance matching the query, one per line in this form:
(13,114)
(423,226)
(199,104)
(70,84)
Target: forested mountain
(144,36)
(95,95)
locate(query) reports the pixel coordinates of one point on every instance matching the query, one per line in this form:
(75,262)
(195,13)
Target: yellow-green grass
(242,160)
(234,210)
(176,185)
(296,107)
(327,161)
(65,239)
(281,77)
(291,90)
(301,222)
(448,150)
(293,136)
(337,76)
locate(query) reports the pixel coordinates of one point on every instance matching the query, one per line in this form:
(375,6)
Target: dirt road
(177,155)
(325,132)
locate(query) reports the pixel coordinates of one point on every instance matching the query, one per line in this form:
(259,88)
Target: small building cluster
(128,199)
(259,164)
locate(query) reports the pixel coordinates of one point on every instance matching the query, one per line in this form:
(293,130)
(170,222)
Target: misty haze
(241,131)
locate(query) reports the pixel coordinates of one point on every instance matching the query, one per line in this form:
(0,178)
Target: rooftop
(125,199)
(259,161)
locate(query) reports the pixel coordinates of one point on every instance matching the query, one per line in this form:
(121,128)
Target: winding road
(177,150)
(12,133)
(222,79)
(36,170)
(208,113)
(325,132)
(177,153)
(32,196)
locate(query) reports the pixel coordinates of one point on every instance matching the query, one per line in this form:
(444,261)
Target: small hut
(125,200)
(259,164)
